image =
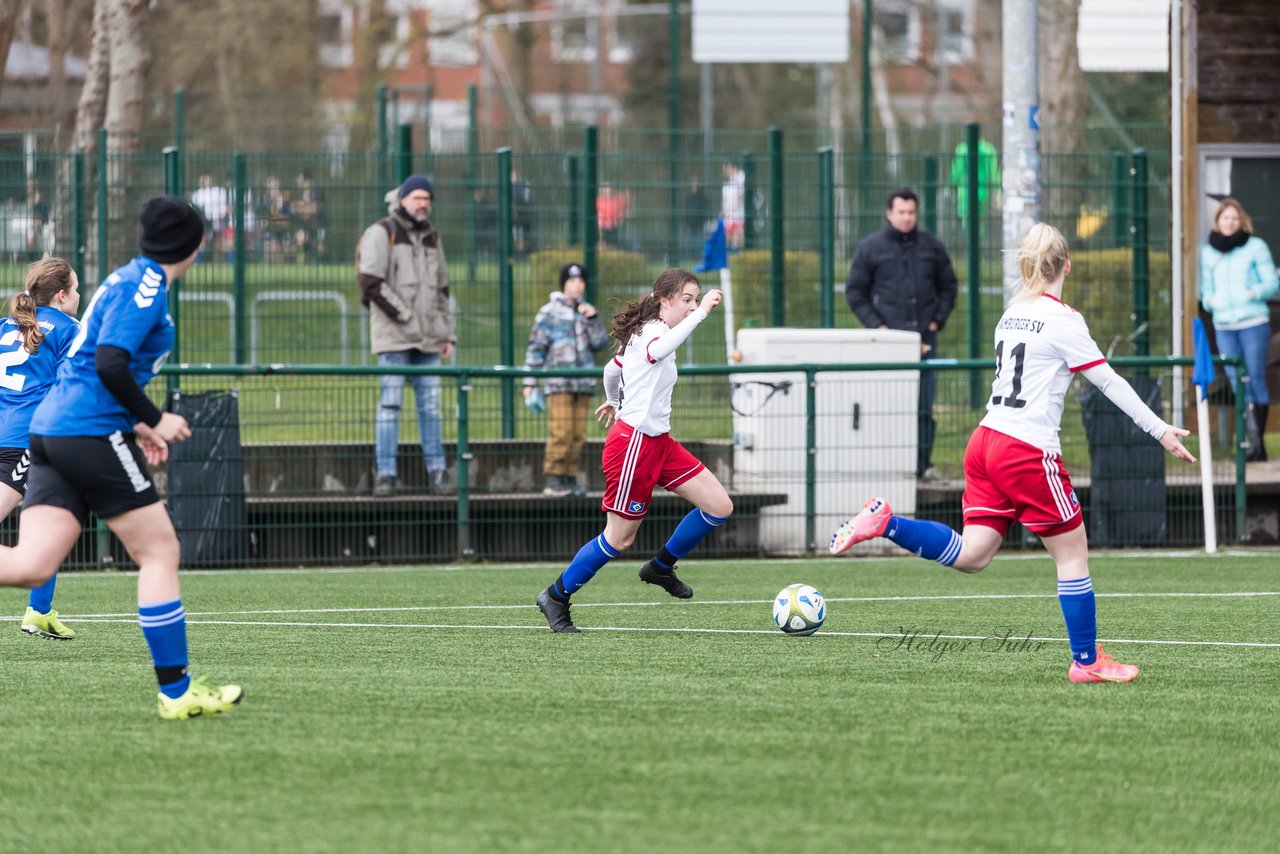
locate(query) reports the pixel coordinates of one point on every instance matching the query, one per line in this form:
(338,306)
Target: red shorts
(634,463)
(1006,481)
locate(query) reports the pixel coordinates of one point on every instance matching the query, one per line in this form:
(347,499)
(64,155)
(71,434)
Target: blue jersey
(129,310)
(26,378)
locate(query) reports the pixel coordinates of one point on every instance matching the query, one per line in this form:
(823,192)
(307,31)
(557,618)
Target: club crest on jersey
(636,507)
(1074,501)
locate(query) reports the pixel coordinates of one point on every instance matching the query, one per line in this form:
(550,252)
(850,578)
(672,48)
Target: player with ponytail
(639,452)
(34,339)
(1013,468)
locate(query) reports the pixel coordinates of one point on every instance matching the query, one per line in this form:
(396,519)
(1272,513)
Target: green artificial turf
(460,723)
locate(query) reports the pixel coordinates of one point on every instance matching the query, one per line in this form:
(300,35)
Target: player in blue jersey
(34,339)
(93,436)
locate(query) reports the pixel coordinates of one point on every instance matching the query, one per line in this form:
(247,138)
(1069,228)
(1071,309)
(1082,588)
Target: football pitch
(430,709)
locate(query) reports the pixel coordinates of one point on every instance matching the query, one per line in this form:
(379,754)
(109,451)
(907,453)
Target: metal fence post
(180,126)
(777,244)
(827,235)
(506,291)
(1141,257)
(575,201)
(810,458)
(404,151)
(1120,199)
(79,216)
(466,550)
(973,233)
(383,178)
(930,193)
(473,155)
(239,191)
(590,187)
(173,187)
(103,208)
(749,236)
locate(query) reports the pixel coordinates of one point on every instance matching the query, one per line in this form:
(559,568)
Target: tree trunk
(130,59)
(988,50)
(1063,102)
(59,32)
(10,12)
(93,97)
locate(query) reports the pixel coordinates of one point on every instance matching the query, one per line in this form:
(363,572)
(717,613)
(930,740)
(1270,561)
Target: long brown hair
(45,279)
(635,314)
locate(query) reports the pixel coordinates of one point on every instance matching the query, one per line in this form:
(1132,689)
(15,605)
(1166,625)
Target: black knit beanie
(570,271)
(169,229)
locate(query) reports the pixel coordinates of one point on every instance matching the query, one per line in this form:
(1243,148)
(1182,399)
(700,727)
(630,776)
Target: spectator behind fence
(405,285)
(611,213)
(694,218)
(521,214)
(733,205)
(567,333)
(214,202)
(40,232)
(274,219)
(307,211)
(901,278)
(988,177)
(1237,277)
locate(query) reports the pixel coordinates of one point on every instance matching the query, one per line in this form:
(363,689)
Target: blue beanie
(417,182)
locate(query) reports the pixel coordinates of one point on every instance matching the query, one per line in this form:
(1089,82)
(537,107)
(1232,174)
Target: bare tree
(127,81)
(93,95)
(1063,102)
(10,14)
(1063,96)
(988,51)
(59,42)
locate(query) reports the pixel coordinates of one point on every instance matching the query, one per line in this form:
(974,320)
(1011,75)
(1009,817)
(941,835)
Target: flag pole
(1203,375)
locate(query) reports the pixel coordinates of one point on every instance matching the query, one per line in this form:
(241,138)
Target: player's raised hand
(711,300)
(1171,441)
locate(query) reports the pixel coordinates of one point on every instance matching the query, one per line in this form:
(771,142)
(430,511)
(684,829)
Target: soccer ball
(798,609)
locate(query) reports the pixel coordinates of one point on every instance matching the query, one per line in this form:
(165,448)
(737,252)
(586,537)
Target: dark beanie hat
(417,182)
(569,271)
(169,229)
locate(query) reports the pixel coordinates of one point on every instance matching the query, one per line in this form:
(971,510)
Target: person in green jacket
(988,177)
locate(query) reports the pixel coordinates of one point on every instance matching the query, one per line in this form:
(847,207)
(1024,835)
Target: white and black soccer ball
(799,609)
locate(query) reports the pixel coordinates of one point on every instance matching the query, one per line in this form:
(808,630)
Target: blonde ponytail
(1042,259)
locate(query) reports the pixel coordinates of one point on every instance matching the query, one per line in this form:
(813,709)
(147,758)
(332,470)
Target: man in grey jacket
(405,285)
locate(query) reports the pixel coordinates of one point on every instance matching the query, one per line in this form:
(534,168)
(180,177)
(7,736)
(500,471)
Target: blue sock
(165,628)
(41,598)
(585,564)
(1081,614)
(692,528)
(929,540)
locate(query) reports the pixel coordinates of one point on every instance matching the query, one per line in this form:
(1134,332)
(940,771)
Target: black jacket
(903,281)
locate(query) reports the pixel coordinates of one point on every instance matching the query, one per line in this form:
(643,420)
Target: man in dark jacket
(901,278)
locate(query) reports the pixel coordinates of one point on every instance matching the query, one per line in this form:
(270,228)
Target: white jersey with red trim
(647,382)
(1040,343)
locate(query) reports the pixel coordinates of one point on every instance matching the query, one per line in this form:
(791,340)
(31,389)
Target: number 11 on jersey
(1019,356)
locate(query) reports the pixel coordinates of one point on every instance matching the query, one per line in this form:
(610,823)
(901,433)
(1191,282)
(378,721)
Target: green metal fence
(282,473)
(276,280)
